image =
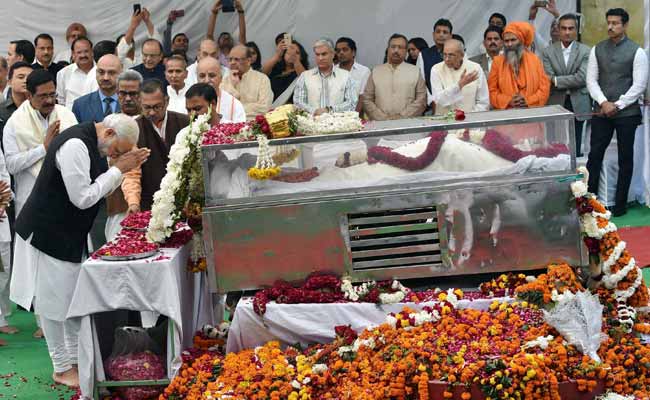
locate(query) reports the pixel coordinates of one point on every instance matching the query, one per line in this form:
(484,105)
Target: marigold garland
(620,274)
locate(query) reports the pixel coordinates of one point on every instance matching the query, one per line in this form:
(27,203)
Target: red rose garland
(501,145)
(390,157)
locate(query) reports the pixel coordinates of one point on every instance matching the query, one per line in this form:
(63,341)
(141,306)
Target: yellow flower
(442,296)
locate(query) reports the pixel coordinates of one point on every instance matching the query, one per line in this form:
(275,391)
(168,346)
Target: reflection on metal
(452,225)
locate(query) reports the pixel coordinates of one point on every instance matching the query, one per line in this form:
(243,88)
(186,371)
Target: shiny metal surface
(468,224)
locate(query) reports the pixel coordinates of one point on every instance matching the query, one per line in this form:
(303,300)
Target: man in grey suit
(565,63)
(493,43)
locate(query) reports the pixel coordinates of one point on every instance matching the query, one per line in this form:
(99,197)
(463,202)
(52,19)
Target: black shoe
(619,211)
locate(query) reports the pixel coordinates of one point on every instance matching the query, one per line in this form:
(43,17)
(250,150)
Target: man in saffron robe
(517,78)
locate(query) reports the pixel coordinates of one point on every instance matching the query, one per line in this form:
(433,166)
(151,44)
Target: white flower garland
(163,211)
(589,225)
(323,124)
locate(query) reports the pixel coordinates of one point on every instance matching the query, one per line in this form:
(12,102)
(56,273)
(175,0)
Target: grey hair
(324,42)
(124,126)
(130,75)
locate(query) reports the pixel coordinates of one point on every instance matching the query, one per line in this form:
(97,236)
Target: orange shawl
(532,81)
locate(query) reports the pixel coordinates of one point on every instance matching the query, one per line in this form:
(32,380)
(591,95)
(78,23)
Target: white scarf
(29,129)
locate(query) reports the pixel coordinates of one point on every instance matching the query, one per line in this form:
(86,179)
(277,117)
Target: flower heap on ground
(181,194)
(619,273)
(549,287)
(507,351)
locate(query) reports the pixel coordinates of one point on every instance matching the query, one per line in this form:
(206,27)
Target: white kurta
(5,252)
(177,99)
(49,280)
(19,162)
(231,109)
(71,83)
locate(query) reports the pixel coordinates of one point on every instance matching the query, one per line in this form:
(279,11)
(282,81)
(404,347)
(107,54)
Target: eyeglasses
(44,96)
(156,108)
(124,93)
(150,55)
(236,59)
(449,55)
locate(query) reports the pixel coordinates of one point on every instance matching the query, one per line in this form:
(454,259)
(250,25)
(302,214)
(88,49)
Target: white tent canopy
(368,22)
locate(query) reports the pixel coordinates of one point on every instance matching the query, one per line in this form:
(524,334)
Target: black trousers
(578,126)
(602,131)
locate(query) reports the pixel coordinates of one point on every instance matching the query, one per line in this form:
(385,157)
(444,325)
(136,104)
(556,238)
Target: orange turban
(524,31)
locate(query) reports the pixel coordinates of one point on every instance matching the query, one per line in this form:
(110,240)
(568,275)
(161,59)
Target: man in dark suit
(493,44)
(98,104)
(152,66)
(158,130)
(565,63)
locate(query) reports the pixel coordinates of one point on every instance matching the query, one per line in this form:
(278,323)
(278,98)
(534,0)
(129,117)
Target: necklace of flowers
(264,167)
(620,273)
(501,145)
(388,156)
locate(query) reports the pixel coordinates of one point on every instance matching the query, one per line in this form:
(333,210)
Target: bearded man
(517,78)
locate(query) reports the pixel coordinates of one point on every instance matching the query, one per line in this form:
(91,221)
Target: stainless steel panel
(390,251)
(392,218)
(394,240)
(395,262)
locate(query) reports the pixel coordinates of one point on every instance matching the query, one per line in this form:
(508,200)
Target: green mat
(25,366)
(637,215)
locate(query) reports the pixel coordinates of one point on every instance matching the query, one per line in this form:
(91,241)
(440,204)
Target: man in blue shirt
(442,31)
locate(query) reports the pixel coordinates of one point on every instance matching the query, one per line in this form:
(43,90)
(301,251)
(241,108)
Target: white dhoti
(51,288)
(5,278)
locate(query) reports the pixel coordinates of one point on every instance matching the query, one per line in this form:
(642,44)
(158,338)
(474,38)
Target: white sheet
(164,286)
(313,323)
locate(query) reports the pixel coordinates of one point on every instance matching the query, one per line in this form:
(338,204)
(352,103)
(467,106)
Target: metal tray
(138,256)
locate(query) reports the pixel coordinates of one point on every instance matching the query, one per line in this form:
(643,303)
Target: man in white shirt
(61,210)
(565,63)
(75,30)
(458,82)
(30,130)
(71,81)
(617,74)
(207,48)
(325,88)
(176,73)
(346,53)
(231,109)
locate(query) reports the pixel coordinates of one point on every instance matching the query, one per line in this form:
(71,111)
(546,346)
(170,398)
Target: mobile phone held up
(541,3)
(178,13)
(228,6)
(136,9)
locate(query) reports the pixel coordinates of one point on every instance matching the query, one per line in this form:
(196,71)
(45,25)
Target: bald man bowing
(458,83)
(52,228)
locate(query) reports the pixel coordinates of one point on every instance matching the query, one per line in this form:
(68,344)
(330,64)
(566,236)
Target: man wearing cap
(517,78)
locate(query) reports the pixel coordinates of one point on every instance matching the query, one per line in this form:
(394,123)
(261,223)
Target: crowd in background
(44,92)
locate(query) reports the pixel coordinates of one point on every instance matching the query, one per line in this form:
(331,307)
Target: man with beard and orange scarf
(517,78)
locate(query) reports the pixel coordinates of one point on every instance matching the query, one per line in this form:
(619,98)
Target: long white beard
(513,57)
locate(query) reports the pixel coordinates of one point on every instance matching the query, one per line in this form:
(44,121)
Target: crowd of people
(121,108)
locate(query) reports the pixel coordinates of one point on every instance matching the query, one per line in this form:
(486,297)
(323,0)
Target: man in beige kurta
(396,89)
(250,87)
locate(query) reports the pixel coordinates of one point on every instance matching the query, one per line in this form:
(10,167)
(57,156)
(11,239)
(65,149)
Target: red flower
(459,114)
(390,157)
